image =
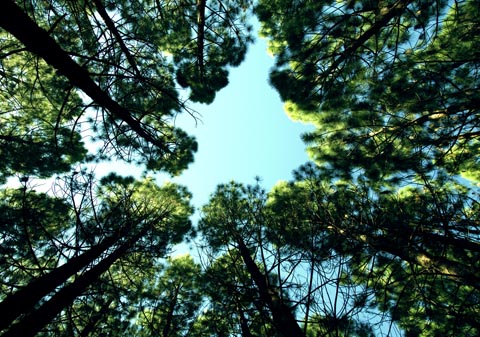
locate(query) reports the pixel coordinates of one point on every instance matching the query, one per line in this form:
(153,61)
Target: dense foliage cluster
(378,236)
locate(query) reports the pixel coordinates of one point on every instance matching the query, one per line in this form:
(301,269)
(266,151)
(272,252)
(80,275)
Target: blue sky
(244,133)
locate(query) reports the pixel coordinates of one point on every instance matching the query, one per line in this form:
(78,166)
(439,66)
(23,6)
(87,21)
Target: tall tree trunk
(37,319)
(171,309)
(283,318)
(201,4)
(24,300)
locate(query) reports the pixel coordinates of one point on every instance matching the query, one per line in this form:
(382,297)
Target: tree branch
(39,42)
(396,9)
(111,27)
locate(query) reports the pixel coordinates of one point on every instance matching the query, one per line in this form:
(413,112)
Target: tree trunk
(36,320)
(283,318)
(201,4)
(171,309)
(24,300)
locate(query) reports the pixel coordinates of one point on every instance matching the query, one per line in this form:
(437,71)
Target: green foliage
(136,222)
(378,237)
(356,259)
(29,223)
(325,326)
(291,234)
(169,304)
(234,211)
(90,81)
(407,253)
(163,210)
(127,57)
(39,112)
(392,88)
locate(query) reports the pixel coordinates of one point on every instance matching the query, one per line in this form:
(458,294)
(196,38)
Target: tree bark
(283,318)
(201,4)
(36,320)
(171,308)
(24,300)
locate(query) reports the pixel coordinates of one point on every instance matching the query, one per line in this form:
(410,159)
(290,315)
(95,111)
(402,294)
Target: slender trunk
(25,299)
(283,318)
(309,295)
(36,320)
(171,308)
(201,4)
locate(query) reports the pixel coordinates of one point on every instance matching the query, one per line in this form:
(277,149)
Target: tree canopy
(89,81)
(379,235)
(126,57)
(391,86)
(392,89)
